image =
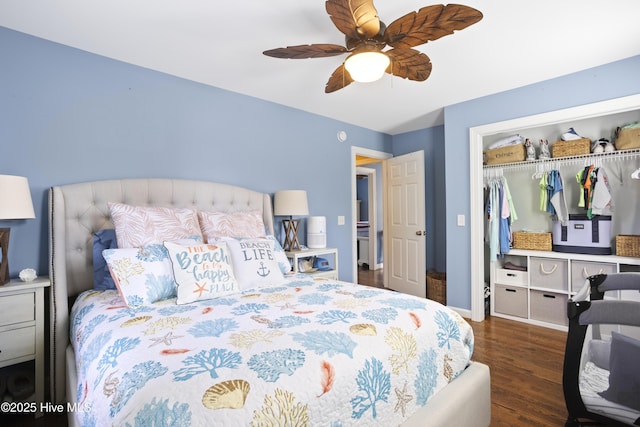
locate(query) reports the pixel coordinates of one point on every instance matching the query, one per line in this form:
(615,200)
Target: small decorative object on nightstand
(290,203)
(22,327)
(15,203)
(307,256)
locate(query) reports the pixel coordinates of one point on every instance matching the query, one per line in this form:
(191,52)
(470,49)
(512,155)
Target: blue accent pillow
(103,239)
(624,373)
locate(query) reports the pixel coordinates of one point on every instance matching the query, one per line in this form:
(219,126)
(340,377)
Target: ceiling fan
(366,37)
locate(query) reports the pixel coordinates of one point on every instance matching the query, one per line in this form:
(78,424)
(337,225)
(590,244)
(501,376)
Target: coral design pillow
(202,271)
(142,275)
(254,262)
(138,226)
(241,224)
(280,255)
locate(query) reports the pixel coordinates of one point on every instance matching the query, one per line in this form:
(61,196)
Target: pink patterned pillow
(241,224)
(138,226)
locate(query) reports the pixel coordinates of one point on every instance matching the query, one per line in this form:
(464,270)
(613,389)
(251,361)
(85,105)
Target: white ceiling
(220,43)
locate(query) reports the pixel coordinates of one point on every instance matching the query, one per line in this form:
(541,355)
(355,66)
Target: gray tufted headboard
(77,211)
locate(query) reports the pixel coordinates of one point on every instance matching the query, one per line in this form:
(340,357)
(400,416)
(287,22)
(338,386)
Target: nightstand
(296,256)
(22,326)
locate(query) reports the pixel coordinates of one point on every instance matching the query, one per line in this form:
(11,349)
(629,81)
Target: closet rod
(561,161)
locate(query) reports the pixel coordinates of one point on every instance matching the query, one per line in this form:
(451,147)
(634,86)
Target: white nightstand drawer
(17,343)
(17,308)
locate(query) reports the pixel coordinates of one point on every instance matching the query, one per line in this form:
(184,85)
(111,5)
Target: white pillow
(202,271)
(138,226)
(241,224)
(142,275)
(254,262)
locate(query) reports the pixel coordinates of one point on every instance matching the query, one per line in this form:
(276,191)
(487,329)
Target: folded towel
(509,140)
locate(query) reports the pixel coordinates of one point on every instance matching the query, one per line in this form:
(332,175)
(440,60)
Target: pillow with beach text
(202,271)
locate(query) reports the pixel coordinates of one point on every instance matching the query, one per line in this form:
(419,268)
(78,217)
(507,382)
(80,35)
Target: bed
(293,350)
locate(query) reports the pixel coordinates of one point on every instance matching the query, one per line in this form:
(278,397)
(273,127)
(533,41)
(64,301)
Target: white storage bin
(511,277)
(549,273)
(511,300)
(580,270)
(549,307)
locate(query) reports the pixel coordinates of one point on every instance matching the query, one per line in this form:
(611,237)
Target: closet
(533,286)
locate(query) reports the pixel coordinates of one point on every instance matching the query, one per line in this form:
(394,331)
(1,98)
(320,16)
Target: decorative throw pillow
(139,226)
(280,255)
(142,275)
(103,239)
(201,271)
(254,262)
(241,224)
(624,372)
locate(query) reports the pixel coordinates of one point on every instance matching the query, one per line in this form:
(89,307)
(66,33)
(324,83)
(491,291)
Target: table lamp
(290,203)
(15,203)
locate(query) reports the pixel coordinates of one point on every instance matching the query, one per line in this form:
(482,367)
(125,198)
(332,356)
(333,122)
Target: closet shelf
(614,155)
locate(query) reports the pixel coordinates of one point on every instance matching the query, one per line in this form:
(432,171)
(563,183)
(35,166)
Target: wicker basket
(533,241)
(437,287)
(508,154)
(576,147)
(628,245)
(627,139)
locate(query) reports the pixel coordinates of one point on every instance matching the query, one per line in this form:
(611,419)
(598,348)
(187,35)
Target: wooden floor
(525,363)
(526,367)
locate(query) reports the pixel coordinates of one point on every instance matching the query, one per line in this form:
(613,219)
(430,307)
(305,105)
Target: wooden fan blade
(307,51)
(354,18)
(430,23)
(338,80)
(409,64)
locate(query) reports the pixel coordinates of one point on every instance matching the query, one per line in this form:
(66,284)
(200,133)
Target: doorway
(368,216)
(370,160)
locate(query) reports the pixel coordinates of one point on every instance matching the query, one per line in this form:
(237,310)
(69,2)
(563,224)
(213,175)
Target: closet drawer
(549,273)
(549,307)
(510,300)
(580,270)
(511,277)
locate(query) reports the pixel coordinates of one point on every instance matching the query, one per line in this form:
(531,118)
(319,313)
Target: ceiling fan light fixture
(365,67)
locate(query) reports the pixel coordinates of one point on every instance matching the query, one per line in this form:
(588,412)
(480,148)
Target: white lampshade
(290,203)
(367,67)
(15,198)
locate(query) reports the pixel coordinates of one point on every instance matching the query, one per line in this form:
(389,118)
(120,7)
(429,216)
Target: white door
(405,247)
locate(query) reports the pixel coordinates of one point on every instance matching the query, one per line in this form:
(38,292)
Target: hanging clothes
(558,201)
(500,215)
(552,198)
(595,191)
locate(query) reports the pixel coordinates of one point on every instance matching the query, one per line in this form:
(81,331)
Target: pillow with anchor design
(255,262)
(201,271)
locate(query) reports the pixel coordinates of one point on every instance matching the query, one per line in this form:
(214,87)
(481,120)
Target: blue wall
(609,81)
(69,116)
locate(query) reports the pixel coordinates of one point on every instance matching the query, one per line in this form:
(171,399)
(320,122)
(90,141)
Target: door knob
(421,233)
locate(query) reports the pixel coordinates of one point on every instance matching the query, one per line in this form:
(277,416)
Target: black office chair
(589,308)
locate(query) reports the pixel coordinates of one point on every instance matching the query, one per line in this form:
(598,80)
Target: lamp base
(4,252)
(291,242)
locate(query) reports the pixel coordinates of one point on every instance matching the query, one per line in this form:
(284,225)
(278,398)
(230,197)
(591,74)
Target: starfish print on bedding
(288,306)
(403,399)
(200,289)
(167,339)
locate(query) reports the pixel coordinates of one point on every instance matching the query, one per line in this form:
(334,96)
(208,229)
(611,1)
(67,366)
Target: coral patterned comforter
(306,352)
